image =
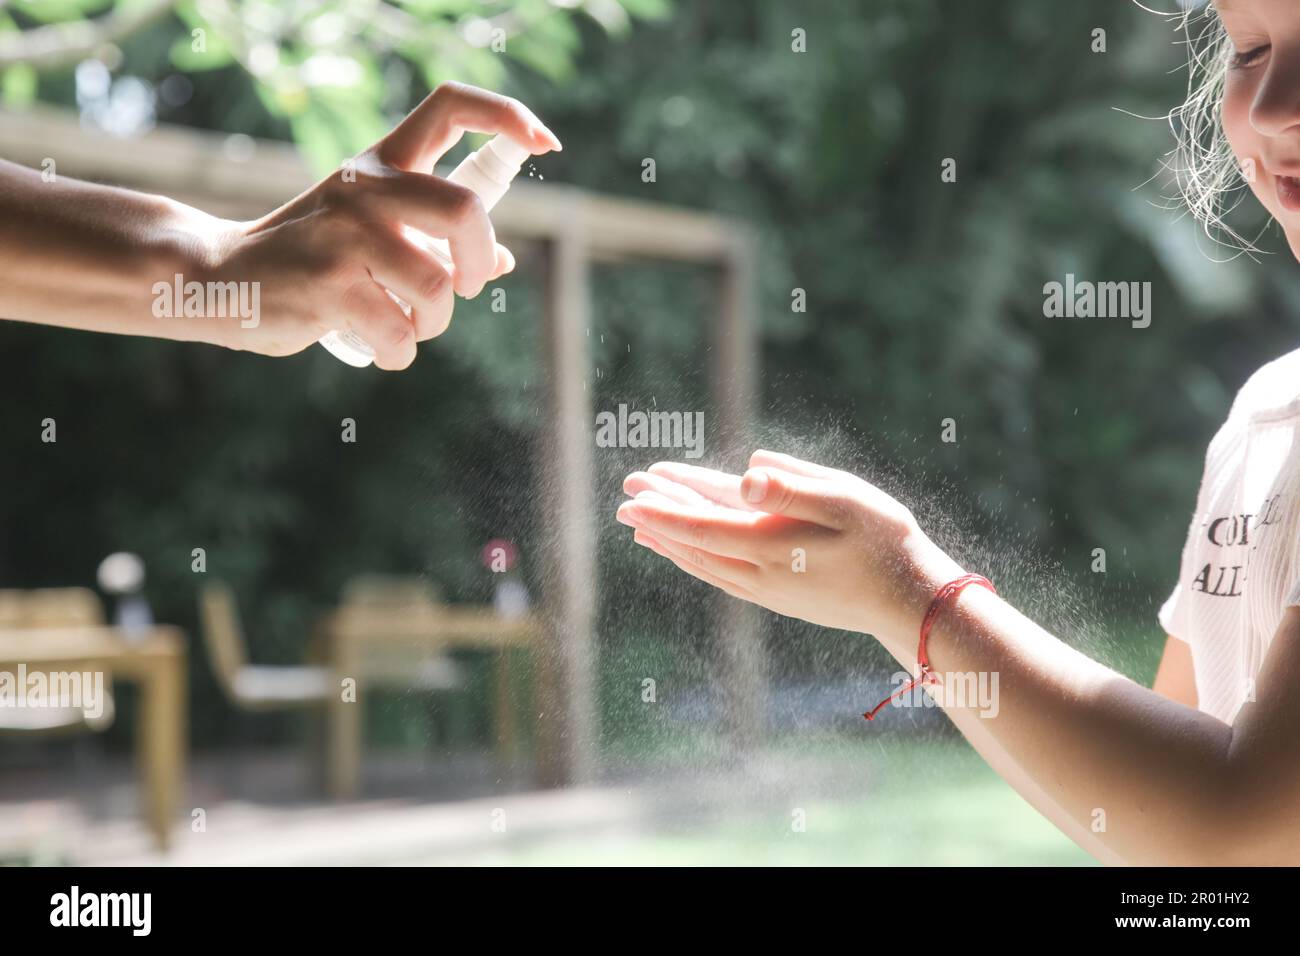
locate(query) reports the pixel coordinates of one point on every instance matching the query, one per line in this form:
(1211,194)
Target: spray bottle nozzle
(510,152)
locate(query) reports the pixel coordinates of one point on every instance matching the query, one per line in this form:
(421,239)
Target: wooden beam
(567,714)
(199,167)
(62,44)
(195,166)
(614,227)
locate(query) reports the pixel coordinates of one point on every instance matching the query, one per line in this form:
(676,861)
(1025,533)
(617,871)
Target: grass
(932,803)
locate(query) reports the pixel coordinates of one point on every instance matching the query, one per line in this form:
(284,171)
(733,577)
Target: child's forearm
(85,256)
(1131,776)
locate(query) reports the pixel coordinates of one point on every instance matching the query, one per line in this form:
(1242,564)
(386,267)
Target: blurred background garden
(822,130)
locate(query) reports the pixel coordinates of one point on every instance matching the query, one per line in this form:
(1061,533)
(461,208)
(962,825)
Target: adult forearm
(86,256)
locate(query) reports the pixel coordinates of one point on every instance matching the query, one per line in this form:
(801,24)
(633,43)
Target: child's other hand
(795,537)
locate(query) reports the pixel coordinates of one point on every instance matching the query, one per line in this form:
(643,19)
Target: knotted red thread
(942,598)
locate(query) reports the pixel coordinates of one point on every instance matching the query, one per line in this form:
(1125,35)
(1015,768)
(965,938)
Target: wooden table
(155,661)
(351,631)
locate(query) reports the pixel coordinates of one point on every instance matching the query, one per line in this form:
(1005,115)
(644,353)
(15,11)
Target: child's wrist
(928,568)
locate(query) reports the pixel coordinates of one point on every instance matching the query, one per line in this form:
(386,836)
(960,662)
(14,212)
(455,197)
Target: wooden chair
(54,608)
(248,686)
(65,717)
(394,597)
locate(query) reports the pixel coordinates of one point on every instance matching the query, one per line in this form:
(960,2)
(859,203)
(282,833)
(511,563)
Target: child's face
(1261,103)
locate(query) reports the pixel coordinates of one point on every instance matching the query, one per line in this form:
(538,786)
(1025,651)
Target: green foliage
(59,11)
(18,85)
(336,73)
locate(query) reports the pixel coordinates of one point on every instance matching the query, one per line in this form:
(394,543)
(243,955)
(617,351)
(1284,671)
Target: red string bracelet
(942,598)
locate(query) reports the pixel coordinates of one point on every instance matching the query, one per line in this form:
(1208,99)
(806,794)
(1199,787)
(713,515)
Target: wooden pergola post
(566,719)
(741,675)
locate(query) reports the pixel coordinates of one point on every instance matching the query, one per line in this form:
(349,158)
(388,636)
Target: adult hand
(86,256)
(324,259)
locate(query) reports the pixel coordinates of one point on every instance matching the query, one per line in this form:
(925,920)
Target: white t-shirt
(1241,564)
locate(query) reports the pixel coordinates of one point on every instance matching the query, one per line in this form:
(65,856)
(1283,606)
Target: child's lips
(1288,192)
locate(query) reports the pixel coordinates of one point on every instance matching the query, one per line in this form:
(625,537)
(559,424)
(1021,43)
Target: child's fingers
(646,539)
(724,531)
(740,573)
(505,262)
(675,494)
(795,496)
(639,481)
(695,571)
(657,497)
(734,590)
(796,466)
(715,485)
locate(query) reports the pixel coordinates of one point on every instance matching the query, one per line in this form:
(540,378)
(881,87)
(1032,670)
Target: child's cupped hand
(794,537)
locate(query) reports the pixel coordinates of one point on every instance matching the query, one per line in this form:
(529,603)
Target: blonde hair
(1204,166)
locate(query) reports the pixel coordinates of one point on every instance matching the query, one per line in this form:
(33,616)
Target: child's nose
(1276,109)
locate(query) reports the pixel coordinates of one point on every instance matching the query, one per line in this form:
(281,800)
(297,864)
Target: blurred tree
(924,296)
(337,73)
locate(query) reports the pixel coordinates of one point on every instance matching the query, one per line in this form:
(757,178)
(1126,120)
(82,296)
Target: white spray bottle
(488,171)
